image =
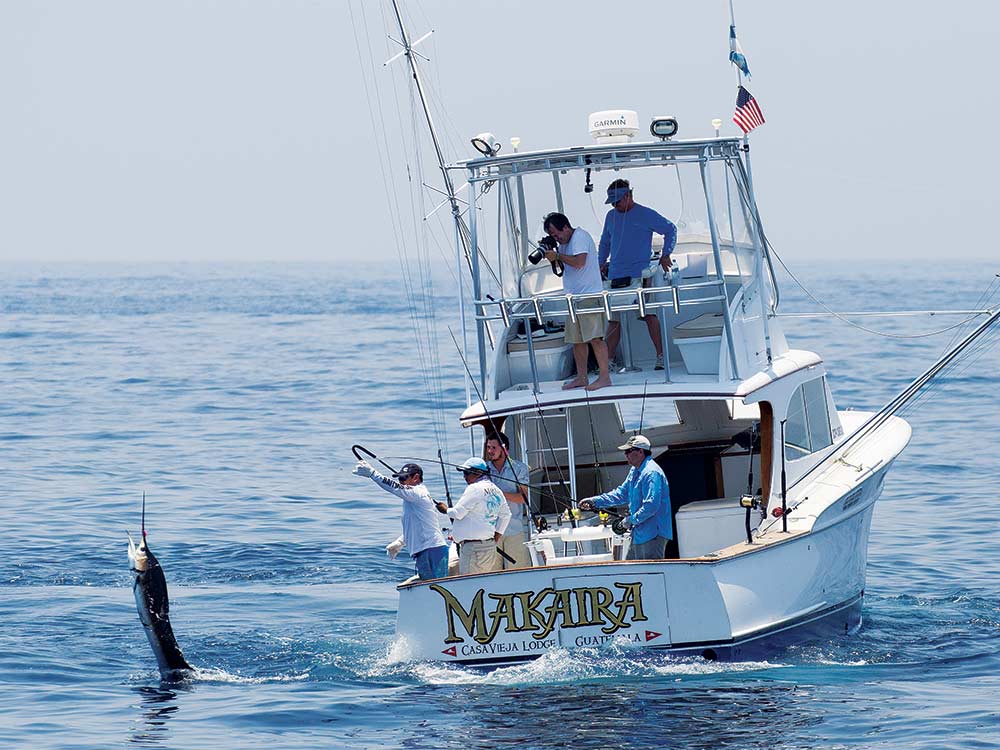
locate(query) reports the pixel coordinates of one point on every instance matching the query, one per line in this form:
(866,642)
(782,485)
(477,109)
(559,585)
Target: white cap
(636,441)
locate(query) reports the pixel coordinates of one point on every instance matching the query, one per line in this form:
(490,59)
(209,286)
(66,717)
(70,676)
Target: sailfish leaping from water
(150,589)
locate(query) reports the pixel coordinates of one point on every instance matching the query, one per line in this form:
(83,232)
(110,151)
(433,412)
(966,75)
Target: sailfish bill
(150,589)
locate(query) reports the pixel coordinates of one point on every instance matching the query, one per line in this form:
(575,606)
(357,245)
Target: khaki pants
(513,545)
(477,557)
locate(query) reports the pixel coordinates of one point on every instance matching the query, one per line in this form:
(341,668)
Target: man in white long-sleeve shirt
(479,519)
(421,520)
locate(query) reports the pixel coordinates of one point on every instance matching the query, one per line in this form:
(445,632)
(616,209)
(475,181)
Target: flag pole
(739,82)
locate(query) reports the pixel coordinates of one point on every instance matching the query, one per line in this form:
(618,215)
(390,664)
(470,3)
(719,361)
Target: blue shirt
(628,239)
(647,494)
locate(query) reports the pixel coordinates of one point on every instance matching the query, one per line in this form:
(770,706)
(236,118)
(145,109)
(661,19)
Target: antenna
(144,514)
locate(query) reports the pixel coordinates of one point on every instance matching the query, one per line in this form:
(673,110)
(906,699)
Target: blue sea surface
(231,395)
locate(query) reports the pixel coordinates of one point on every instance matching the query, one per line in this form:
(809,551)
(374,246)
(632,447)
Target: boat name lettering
(539,613)
(853,498)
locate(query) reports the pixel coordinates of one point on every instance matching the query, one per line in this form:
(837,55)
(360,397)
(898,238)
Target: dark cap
(409,469)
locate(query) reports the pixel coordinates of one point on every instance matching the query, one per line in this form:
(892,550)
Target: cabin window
(645,414)
(738,409)
(807,427)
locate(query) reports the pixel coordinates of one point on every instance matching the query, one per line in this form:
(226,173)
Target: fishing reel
(621,525)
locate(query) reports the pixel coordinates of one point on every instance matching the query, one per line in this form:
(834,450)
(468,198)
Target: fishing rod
(540,489)
(593,441)
(486,411)
(358,449)
(444,476)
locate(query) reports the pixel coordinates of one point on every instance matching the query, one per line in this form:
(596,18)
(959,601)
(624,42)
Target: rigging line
(867,431)
(410,278)
(540,489)
(428,356)
(593,439)
(383,151)
(552,451)
(906,394)
(493,424)
(980,303)
(829,309)
(404,261)
(445,175)
(391,197)
(975,353)
(979,349)
(642,410)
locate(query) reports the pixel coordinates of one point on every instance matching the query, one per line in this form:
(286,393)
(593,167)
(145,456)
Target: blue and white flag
(736,56)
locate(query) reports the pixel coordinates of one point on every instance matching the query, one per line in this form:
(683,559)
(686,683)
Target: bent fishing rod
(358,449)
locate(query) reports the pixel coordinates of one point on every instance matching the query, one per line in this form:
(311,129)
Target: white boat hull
(738,607)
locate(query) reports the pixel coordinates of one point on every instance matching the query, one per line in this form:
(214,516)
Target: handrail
(613,300)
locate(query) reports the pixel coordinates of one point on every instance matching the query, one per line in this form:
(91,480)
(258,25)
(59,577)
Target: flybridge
(600,156)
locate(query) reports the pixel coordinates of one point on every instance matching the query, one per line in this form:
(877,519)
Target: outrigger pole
(461,230)
(897,403)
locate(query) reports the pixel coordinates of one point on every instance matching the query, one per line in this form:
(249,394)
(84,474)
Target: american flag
(748,115)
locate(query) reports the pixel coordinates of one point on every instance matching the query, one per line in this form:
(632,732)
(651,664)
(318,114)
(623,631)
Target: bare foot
(575,383)
(599,383)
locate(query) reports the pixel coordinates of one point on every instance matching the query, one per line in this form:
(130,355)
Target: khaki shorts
(588,325)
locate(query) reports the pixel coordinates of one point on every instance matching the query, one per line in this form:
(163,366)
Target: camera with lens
(544,245)
(538,254)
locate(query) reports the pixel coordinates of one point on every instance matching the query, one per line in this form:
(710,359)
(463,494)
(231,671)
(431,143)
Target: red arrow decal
(651,634)
(453,651)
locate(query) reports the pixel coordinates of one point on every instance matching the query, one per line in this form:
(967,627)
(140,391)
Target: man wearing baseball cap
(647,495)
(625,249)
(421,521)
(480,518)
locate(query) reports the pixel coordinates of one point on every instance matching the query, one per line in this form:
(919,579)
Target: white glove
(363,469)
(392,549)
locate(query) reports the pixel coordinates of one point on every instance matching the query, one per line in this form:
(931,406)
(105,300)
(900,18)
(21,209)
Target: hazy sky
(134,130)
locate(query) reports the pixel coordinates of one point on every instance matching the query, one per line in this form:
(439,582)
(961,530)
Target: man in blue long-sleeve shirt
(624,252)
(647,495)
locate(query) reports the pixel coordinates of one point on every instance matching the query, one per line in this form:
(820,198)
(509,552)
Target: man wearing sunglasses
(421,520)
(647,495)
(480,518)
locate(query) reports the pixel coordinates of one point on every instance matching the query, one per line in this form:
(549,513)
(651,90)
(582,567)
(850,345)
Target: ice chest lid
(547,341)
(713,507)
(708,324)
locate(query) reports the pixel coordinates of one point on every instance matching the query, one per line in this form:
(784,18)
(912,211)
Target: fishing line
(744,195)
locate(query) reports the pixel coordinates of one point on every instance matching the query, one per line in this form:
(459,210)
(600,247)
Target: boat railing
(644,300)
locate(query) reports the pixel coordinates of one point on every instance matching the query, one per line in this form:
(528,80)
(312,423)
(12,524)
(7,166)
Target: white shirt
(480,512)
(584,280)
(421,520)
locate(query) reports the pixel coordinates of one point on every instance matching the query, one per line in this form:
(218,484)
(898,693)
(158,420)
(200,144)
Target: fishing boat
(772,484)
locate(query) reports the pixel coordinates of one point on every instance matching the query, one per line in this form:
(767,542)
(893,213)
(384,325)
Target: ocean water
(231,395)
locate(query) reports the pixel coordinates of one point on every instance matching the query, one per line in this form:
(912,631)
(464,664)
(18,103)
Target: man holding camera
(581,275)
(626,246)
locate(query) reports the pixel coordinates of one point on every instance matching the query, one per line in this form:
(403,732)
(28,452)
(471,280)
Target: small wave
(211,675)
(617,660)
